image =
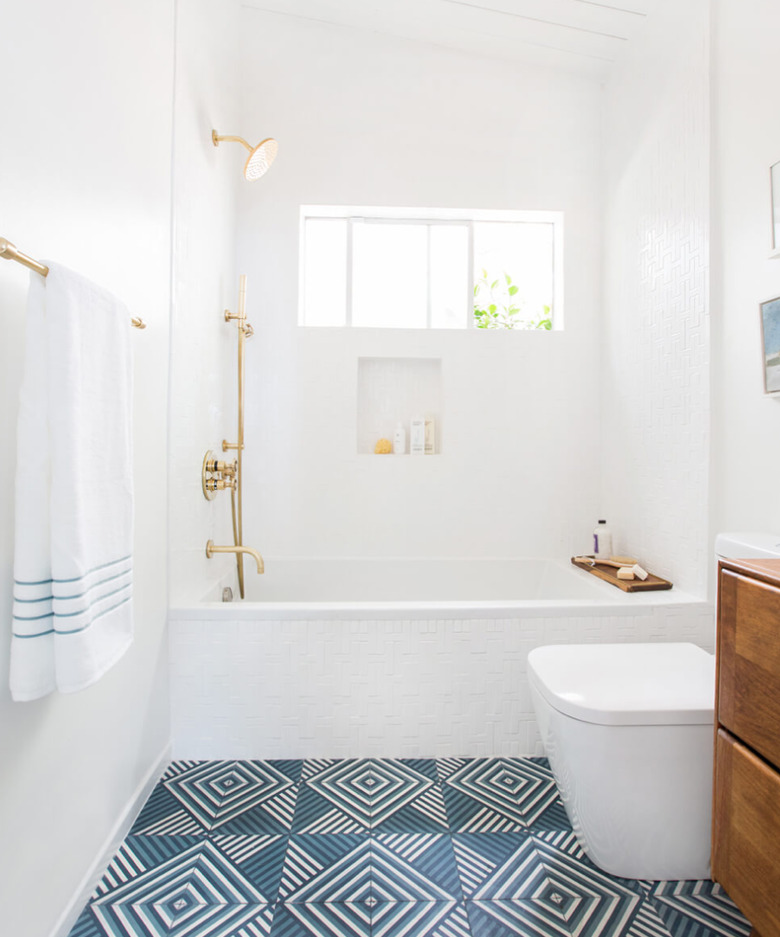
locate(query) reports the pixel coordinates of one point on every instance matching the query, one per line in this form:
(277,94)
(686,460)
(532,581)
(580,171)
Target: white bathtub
(291,587)
(383,581)
(402,658)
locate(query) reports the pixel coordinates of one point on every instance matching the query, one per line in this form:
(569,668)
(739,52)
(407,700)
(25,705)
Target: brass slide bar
(9,251)
(231,475)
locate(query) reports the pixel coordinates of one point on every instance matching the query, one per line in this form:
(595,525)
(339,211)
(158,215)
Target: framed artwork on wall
(774,174)
(770,343)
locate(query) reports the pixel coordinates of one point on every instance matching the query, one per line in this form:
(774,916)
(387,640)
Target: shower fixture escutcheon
(217,475)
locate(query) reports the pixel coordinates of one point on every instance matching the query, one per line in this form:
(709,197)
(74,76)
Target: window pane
(389,275)
(449,276)
(325,277)
(513,274)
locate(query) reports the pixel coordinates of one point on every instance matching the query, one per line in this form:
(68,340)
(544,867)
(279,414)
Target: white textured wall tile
(656,361)
(340,688)
(502,395)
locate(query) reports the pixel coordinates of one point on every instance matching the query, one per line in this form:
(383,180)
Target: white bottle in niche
(602,541)
(417,436)
(399,439)
(430,435)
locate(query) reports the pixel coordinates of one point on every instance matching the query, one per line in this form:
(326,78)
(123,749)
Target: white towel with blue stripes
(73,564)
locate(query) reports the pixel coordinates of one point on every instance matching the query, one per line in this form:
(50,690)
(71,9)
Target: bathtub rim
(603,599)
(632,604)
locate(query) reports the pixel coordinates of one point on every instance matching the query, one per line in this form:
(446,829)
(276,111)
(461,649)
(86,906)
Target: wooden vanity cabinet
(746,803)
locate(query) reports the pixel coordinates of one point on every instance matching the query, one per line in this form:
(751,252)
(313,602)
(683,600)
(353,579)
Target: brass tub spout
(211,549)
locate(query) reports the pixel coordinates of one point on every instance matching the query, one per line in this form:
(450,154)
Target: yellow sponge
(383,446)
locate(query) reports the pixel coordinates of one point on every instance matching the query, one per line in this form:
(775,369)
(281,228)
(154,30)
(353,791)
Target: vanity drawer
(749,662)
(747,833)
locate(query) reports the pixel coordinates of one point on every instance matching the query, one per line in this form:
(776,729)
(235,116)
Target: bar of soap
(625,572)
(640,573)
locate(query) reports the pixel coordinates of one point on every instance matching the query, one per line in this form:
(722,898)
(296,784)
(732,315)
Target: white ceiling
(583,36)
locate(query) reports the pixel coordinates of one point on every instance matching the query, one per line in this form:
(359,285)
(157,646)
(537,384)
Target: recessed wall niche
(395,390)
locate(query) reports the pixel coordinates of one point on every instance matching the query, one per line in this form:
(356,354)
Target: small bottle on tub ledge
(602,541)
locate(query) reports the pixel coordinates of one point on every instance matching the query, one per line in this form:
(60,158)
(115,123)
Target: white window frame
(430,216)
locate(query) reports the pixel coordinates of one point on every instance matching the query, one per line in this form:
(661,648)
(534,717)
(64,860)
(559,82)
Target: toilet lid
(626,684)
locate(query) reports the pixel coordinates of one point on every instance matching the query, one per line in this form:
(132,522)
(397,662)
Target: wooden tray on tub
(609,574)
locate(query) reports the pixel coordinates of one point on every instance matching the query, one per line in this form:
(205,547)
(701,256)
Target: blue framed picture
(770,339)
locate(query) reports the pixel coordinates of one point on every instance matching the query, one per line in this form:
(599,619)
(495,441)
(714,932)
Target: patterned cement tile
(451,847)
(353,796)
(498,795)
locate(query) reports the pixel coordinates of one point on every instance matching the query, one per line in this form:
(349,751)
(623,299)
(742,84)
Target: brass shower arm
(217,138)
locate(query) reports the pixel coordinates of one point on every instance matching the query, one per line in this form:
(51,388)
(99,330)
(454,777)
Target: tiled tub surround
(420,847)
(399,679)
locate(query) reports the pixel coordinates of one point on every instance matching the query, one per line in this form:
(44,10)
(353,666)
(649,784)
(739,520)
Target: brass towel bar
(9,251)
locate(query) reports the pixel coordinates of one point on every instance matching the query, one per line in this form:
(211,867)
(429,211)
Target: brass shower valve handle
(220,484)
(218,467)
(217,475)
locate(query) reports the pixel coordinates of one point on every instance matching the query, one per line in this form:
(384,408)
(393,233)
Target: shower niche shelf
(392,391)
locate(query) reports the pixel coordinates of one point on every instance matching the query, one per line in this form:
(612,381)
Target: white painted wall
(85,180)
(366,119)
(206,181)
(655,327)
(746,141)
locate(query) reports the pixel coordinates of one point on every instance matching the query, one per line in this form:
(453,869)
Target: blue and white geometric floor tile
(377,848)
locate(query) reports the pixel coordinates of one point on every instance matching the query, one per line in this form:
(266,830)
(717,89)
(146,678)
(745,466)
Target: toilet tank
(747,546)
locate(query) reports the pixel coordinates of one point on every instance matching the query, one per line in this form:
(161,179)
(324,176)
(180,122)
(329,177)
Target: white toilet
(628,730)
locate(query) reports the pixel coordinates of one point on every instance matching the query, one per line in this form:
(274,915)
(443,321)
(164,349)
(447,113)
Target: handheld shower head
(260,156)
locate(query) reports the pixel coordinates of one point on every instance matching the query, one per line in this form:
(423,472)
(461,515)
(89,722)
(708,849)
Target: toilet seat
(627,684)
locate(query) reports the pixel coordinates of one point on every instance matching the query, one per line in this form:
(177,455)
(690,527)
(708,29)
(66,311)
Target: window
(418,268)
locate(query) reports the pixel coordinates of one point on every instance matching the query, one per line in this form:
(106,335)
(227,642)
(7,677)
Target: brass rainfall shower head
(260,156)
